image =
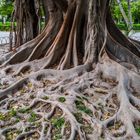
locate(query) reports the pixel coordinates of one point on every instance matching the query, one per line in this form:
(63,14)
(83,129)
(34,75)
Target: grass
(81,106)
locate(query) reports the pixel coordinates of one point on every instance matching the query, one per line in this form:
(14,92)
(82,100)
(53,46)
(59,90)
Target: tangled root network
(74,104)
(98,99)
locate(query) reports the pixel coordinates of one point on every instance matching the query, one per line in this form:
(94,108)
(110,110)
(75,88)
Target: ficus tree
(80,69)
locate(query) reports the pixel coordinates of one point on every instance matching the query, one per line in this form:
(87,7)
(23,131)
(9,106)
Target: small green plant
(29,85)
(12,134)
(46,98)
(57,126)
(138,130)
(62,99)
(81,106)
(23,90)
(24,110)
(58,123)
(12,112)
(2,116)
(57,137)
(32,117)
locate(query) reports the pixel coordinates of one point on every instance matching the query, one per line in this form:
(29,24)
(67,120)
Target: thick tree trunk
(27,21)
(96,97)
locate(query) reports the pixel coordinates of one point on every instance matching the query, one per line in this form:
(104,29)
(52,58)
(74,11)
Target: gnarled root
(73,104)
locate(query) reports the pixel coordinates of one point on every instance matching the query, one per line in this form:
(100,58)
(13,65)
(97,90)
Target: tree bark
(92,84)
(27,21)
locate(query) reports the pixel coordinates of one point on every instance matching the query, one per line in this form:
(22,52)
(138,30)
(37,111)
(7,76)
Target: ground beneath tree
(62,105)
(3,50)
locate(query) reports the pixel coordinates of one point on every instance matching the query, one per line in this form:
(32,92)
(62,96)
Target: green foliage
(116,13)
(12,112)
(57,126)
(136,27)
(8,115)
(58,123)
(45,97)
(62,99)
(5,27)
(6,8)
(123,26)
(117,16)
(135,6)
(81,106)
(12,134)
(85,126)
(2,116)
(6,24)
(23,110)
(138,130)
(57,137)
(32,117)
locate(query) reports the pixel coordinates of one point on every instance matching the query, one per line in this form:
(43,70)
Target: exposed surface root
(72,104)
(80,103)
